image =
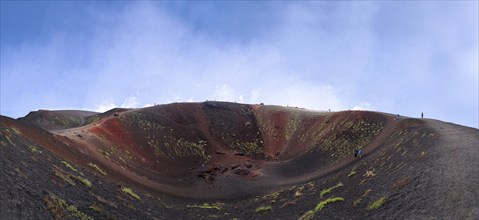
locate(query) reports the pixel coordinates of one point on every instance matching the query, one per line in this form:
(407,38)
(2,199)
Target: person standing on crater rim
(358,153)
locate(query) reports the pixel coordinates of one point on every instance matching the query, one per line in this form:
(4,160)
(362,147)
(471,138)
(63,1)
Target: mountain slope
(227,160)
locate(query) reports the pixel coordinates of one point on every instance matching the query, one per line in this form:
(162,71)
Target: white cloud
(363,106)
(105,105)
(318,55)
(147,105)
(130,102)
(108,104)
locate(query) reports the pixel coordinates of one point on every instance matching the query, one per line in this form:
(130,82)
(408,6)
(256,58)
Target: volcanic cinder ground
(219,160)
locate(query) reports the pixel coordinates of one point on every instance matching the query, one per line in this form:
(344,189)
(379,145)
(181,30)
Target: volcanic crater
(278,158)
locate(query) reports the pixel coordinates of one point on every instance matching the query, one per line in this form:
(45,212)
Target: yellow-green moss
(62,210)
(130,192)
(97,168)
(83,181)
(376,204)
(322,204)
(353,172)
(217,206)
(308,215)
(328,190)
(65,176)
(311,213)
(70,166)
(263,209)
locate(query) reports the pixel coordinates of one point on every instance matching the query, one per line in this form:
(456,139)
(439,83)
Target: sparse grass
(104,201)
(299,192)
(322,204)
(65,176)
(262,209)
(96,208)
(311,185)
(369,173)
(33,149)
(99,209)
(70,166)
(350,135)
(16,130)
(328,190)
(366,193)
(273,196)
(357,202)
(376,204)
(423,153)
(20,172)
(62,210)
(353,172)
(130,192)
(9,140)
(97,168)
(217,206)
(310,214)
(105,154)
(83,180)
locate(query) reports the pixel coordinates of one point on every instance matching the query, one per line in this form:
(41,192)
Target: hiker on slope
(358,153)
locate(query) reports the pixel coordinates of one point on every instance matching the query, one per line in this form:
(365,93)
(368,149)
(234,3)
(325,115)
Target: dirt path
(457,166)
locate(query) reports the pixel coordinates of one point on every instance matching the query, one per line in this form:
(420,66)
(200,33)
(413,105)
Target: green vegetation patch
(188,148)
(33,149)
(251,148)
(7,135)
(83,181)
(328,190)
(178,148)
(263,209)
(68,121)
(311,213)
(65,176)
(349,135)
(68,177)
(92,119)
(217,206)
(299,191)
(94,166)
(308,215)
(322,204)
(130,192)
(272,196)
(376,204)
(353,172)
(16,130)
(70,166)
(62,210)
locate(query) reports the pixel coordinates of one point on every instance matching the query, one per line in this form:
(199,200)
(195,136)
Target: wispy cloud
(396,57)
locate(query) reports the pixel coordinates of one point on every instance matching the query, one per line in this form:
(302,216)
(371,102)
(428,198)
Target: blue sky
(397,57)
